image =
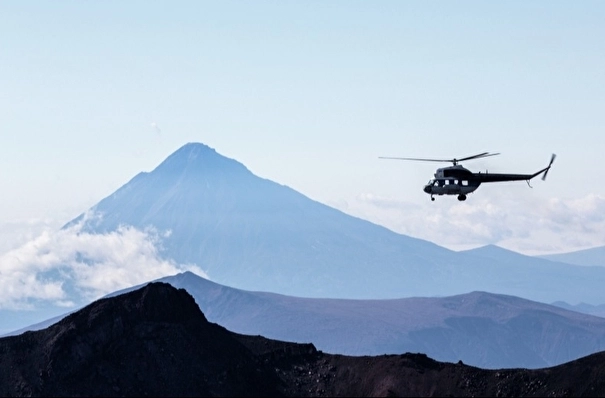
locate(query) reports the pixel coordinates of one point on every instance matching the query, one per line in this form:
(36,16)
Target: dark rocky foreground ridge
(155,341)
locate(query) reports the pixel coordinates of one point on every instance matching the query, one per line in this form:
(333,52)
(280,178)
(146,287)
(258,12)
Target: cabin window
(465,183)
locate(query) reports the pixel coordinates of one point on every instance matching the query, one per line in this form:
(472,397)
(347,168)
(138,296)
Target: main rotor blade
(481,155)
(455,161)
(425,160)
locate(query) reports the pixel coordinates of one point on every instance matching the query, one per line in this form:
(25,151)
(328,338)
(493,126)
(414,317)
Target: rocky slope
(155,341)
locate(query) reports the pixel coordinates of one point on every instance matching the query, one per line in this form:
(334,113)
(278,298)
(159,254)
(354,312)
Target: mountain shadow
(155,341)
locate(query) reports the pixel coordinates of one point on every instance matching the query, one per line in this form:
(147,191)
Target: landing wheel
(433,199)
(461,197)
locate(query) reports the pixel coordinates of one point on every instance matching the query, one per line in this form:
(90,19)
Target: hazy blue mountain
(533,277)
(592,256)
(38,325)
(596,310)
(481,329)
(254,234)
(10,320)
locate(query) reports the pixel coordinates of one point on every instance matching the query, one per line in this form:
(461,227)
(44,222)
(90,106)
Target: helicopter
(457,180)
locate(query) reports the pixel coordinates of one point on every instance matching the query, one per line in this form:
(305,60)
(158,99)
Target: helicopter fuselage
(453,180)
(456,180)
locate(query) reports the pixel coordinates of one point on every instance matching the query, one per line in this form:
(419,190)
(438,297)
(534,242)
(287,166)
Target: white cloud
(69,267)
(587,214)
(16,232)
(381,201)
(525,224)
(59,264)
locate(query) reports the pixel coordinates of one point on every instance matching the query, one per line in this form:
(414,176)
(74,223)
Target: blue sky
(309,94)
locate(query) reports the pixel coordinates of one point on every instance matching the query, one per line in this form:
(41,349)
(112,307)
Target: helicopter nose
(427,188)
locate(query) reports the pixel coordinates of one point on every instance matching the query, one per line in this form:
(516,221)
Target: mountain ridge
(594,256)
(155,341)
(479,328)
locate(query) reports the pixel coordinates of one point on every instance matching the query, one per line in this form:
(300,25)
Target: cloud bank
(69,267)
(524,224)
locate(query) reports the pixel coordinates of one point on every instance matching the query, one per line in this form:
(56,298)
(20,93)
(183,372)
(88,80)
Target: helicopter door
(451,187)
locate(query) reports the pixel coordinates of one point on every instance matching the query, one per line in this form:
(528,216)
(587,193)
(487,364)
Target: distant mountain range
(481,329)
(254,234)
(155,341)
(588,257)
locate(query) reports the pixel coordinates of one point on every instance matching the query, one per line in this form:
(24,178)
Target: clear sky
(309,94)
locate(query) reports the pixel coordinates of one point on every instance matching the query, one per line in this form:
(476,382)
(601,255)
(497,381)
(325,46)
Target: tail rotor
(552,159)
